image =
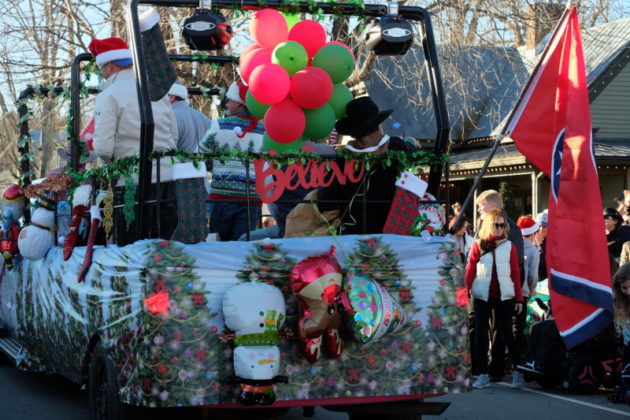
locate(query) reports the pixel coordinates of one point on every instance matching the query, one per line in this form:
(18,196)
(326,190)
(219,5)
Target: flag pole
(571,4)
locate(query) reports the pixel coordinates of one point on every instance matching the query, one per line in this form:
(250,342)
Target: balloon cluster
(295,79)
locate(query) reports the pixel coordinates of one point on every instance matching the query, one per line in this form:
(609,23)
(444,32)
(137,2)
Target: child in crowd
(493,279)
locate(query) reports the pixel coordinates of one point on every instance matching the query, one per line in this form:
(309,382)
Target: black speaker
(206,30)
(389,35)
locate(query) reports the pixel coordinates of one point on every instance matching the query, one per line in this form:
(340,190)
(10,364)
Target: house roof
(482,84)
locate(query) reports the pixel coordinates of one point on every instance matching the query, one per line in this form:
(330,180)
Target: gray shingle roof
(482,84)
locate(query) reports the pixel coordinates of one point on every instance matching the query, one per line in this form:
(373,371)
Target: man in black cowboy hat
(363,124)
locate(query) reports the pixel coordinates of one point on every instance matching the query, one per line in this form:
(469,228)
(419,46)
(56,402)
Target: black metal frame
(371,10)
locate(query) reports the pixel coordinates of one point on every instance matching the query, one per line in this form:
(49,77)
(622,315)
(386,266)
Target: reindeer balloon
(317,283)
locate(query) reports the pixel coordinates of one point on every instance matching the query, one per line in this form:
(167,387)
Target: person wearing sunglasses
(493,280)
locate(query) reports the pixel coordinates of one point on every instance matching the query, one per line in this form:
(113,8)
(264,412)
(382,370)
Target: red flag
(551,127)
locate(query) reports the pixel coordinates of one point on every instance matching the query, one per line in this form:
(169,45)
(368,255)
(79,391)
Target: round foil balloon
(375,312)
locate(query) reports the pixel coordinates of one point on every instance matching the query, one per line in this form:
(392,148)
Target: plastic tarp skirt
(172,355)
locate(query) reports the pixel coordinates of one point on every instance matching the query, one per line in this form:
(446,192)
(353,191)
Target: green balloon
(270,144)
(255,107)
(339,99)
(336,60)
(319,122)
(291,19)
(291,56)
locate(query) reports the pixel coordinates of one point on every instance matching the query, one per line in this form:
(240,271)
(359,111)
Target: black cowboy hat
(362,117)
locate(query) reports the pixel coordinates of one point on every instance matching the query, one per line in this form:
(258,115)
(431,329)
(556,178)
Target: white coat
(117,122)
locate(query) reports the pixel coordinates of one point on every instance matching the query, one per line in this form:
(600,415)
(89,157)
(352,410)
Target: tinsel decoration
(129,206)
(108,213)
(54,183)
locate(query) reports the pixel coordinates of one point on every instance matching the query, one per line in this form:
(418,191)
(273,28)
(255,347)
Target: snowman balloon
(255,312)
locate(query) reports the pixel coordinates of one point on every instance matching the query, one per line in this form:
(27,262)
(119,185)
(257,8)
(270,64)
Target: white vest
(481,284)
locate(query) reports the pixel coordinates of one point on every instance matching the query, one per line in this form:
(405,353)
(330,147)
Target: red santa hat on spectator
(110,49)
(237,92)
(527,225)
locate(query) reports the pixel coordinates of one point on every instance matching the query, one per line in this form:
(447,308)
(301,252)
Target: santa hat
(237,92)
(179,90)
(110,49)
(527,225)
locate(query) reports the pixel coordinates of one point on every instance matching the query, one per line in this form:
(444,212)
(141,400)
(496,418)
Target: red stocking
(80,204)
(87,259)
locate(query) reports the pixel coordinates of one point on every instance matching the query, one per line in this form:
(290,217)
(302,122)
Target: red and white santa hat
(109,49)
(527,225)
(237,92)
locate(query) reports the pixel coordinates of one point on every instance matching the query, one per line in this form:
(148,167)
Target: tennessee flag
(551,127)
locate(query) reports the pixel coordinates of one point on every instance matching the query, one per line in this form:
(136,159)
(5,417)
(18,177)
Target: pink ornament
(311,87)
(268,28)
(285,122)
(270,85)
(310,34)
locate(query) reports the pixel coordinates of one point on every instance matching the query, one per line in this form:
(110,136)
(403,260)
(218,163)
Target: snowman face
(261,362)
(252,308)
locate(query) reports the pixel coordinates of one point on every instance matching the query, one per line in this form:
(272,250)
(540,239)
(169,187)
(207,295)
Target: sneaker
(518,380)
(530,367)
(483,381)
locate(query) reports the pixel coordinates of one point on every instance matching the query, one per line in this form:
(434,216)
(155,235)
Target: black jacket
(380,186)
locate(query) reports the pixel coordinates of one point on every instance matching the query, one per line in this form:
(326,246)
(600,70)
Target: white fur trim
(384,140)
(111,55)
(412,183)
(530,230)
(187,170)
(148,19)
(95,213)
(82,195)
(179,90)
(232,93)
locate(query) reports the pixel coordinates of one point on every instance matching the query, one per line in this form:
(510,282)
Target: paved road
(26,396)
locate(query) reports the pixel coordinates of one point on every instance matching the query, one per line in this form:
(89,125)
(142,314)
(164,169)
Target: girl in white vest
(493,280)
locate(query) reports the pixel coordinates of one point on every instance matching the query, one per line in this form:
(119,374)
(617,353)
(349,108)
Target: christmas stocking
(95,215)
(80,204)
(404,209)
(160,71)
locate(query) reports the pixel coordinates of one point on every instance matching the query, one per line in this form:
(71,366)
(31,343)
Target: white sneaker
(483,381)
(518,380)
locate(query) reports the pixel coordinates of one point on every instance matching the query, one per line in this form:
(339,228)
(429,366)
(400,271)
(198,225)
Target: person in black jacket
(363,124)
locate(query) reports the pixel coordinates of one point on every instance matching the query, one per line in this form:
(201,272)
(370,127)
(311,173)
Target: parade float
(348,322)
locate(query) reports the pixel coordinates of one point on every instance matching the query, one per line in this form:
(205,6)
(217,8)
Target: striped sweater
(229,178)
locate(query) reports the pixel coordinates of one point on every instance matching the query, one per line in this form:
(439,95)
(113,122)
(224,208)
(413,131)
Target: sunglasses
(500,225)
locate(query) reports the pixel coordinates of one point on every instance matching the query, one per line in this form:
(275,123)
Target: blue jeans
(271,232)
(229,220)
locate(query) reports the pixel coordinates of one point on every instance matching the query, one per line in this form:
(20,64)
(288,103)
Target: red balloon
(250,48)
(253,59)
(285,121)
(268,28)
(311,87)
(310,34)
(343,45)
(270,84)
